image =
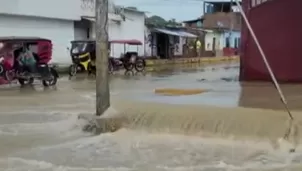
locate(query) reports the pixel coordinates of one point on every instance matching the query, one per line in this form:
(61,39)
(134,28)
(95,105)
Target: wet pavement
(39,129)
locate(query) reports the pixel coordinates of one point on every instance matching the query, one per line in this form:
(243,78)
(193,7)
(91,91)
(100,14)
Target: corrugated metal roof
(169,32)
(175,33)
(186,34)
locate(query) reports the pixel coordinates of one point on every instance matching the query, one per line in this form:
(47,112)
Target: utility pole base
(96,125)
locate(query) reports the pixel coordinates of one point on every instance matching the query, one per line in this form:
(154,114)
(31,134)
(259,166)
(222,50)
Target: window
(236,43)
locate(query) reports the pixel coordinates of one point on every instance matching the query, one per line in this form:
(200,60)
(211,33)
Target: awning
(165,31)
(176,33)
(127,41)
(92,19)
(186,34)
(112,17)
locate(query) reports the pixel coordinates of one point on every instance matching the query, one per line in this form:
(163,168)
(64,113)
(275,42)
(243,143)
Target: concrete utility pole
(102,78)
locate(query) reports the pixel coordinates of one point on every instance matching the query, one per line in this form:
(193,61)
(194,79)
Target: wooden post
(102,80)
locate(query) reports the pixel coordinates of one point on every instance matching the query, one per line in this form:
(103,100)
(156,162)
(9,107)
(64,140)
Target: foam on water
(21,164)
(140,150)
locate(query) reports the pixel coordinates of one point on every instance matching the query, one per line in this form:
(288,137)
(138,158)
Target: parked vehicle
(83,57)
(129,59)
(13,52)
(82,54)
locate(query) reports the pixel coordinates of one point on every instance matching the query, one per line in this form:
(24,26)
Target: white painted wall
(87,9)
(232,36)
(55,20)
(59,9)
(132,28)
(209,41)
(61,32)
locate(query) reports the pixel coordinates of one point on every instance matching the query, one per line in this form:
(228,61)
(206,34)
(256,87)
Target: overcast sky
(178,9)
(167,8)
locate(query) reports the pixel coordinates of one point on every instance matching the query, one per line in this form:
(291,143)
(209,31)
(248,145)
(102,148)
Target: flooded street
(234,126)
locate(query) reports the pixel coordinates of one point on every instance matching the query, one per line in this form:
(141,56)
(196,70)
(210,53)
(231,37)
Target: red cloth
(3,81)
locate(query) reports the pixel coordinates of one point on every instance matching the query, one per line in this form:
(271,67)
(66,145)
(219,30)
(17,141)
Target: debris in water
(229,79)
(292,150)
(202,79)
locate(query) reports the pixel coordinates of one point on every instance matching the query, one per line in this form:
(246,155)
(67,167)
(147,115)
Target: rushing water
(39,129)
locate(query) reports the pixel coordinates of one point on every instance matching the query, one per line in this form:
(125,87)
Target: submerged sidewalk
(205,60)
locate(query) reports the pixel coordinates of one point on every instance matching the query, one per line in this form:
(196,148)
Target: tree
(158,21)
(172,22)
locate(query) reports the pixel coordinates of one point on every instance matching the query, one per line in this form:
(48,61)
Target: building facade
(221,25)
(123,24)
(217,40)
(64,21)
(166,42)
(38,18)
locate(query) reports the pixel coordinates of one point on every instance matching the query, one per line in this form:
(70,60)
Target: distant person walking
(198,47)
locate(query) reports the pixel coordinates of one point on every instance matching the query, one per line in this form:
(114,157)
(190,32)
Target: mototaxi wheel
(128,66)
(2,70)
(54,78)
(23,81)
(11,75)
(91,69)
(73,69)
(139,65)
(110,67)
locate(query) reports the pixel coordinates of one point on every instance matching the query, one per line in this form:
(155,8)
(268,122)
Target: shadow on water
(265,95)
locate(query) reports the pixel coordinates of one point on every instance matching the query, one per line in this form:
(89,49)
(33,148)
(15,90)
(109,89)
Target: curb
(191,60)
(152,64)
(187,65)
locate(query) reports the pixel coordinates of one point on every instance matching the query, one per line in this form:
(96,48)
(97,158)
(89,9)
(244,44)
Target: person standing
(198,47)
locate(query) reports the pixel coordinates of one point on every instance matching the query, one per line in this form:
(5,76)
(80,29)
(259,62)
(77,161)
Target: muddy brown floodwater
(235,126)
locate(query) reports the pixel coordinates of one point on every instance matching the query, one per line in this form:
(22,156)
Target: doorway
(162,41)
(214,44)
